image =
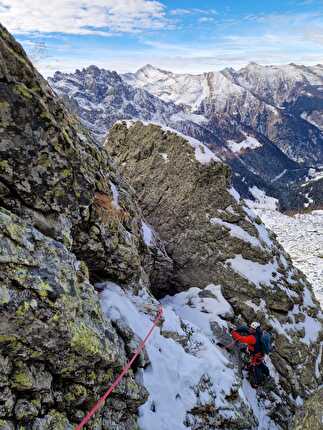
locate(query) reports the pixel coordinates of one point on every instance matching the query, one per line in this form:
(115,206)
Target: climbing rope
(101,401)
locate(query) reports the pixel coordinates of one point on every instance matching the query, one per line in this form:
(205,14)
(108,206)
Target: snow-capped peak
(147,68)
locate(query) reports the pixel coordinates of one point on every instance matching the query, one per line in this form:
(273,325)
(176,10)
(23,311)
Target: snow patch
(252,271)
(115,196)
(147,233)
(202,153)
(262,201)
(238,232)
(249,142)
(310,326)
(164,156)
(234,193)
(264,234)
(257,407)
(201,311)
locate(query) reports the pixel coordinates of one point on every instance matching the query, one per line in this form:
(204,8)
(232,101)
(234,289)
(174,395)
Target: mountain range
(266,122)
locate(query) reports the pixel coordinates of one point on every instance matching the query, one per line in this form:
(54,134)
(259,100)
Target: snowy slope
(187,370)
(274,84)
(189,90)
(186,89)
(256,96)
(302,237)
(277,84)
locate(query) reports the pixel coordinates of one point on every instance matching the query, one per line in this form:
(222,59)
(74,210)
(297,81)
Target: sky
(186,36)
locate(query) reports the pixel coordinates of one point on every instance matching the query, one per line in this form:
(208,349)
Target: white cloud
(314,34)
(266,39)
(179,60)
(206,19)
(101,17)
(193,11)
(180,12)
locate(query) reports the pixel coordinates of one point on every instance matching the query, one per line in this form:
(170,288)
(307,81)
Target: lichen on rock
(57,350)
(55,176)
(60,338)
(310,415)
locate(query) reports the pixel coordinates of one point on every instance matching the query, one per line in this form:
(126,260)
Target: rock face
(310,417)
(56,348)
(54,176)
(67,219)
(214,239)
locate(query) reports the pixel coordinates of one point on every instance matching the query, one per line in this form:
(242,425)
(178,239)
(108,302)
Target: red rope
(101,401)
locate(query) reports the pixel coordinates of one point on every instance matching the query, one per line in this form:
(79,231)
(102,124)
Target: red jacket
(249,339)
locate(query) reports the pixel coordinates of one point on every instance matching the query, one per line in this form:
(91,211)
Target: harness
(256,359)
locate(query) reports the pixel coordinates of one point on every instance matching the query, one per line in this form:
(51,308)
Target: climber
(258,346)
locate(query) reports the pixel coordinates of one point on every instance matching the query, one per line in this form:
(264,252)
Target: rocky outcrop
(214,239)
(57,350)
(67,219)
(310,416)
(54,176)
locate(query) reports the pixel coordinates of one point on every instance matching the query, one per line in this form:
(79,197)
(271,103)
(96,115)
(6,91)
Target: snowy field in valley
(302,237)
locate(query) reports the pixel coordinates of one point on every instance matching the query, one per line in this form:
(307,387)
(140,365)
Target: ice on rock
(148,234)
(115,195)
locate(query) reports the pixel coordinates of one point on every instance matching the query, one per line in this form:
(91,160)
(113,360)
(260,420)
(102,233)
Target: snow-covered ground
(302,237)
(186,368)
(249,142)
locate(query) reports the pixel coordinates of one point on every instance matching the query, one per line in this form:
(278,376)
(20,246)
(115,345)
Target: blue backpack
(266,342)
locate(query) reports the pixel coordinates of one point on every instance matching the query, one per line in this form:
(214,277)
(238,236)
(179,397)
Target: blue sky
(182,36)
